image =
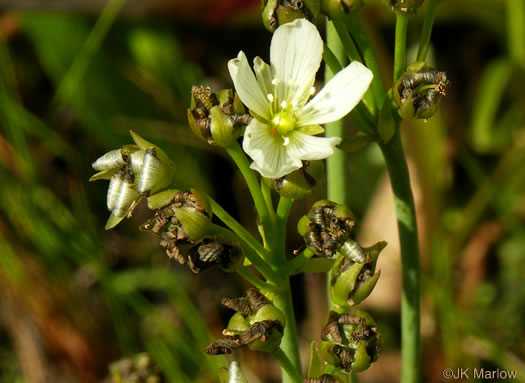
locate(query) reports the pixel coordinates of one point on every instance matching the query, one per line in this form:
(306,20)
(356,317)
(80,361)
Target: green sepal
(236,325)
(194,223)
(161,199)
(364,289)
(303,225)
(271,343)
(103,175)
(361,358)
(355,142)
(113,221)
(194,125)
(269,312)
(268,15)
(343,284)
(315,364)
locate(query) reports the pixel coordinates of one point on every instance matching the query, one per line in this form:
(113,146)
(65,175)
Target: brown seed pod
(222,346)
(241,305)
(259,331)
(257,300)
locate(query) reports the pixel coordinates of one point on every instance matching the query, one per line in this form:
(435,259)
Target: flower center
(284,121)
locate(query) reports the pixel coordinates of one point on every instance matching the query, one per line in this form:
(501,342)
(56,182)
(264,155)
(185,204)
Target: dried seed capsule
(418,91)
(222,346)
(241,305)
(326,227)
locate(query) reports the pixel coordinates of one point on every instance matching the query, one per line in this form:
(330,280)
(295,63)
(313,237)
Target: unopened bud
(279,12)
(418,91)
(217,118)
(299,184)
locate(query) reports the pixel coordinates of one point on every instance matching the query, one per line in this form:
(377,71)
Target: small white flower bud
(110,160)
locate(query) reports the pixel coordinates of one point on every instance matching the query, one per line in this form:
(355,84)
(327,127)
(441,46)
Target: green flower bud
(217,118)
(279,12)
(326,227)
(337,9)
(404,6)
(353,275)
(299,183)
(350,341)
(418,91)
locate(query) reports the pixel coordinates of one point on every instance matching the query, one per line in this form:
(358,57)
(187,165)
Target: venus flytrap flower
(282,134)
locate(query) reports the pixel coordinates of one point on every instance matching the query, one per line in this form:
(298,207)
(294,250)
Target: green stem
(249,275)
(258,255)
(400,51)
(298,261)
(283,210)
(289,344)
(242,163)
(336,163)
(408,238)
(267,195)
(424,41)
(287,366)
(355,27)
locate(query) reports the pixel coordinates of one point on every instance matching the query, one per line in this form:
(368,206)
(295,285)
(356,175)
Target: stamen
(275,81)
(286,141)
(284,104)
(312,90)
(269,96)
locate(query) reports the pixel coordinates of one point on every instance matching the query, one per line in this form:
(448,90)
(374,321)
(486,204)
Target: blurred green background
(76,77)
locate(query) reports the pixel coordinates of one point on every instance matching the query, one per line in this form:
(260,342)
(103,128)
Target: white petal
(295,55)
(264,75)
(305,147)
(270,157)
(338,97)
(247,87)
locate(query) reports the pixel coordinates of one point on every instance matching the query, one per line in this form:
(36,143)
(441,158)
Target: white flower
(278,96)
